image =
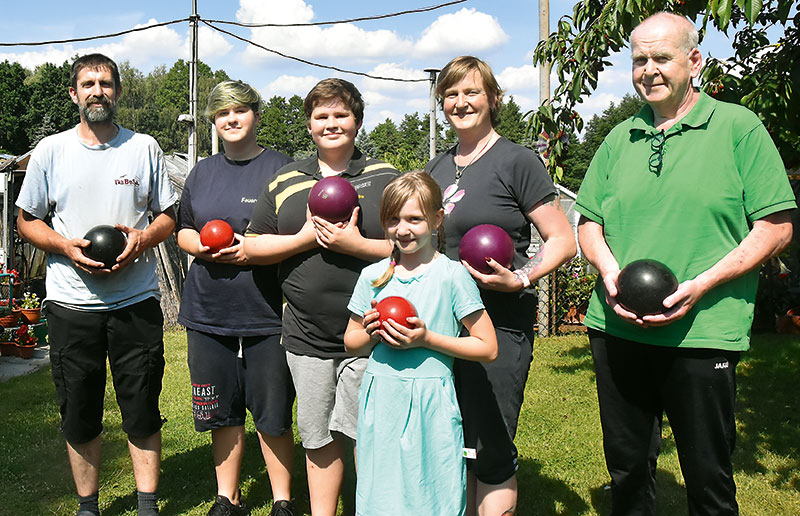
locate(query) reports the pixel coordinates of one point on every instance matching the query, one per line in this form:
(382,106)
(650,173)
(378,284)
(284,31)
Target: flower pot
(32,315)
(25,351)
(40,331)
(10,319)
(8,349)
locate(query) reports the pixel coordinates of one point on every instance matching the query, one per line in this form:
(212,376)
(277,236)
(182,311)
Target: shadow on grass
(670,496)
(576,355)
(542,495)
(766,408)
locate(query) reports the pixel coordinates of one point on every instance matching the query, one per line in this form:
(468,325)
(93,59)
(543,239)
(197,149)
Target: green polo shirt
(720,171)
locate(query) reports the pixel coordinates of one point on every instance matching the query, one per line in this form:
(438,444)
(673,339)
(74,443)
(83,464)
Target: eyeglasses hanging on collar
(657,157)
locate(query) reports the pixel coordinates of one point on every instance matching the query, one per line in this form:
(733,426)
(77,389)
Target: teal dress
(410,441)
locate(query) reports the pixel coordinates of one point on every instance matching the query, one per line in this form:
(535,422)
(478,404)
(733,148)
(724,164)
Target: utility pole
(544,69)
(544,97)
(432,118)
(193,21)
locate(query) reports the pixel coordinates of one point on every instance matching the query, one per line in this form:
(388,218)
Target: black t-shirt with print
(499,188)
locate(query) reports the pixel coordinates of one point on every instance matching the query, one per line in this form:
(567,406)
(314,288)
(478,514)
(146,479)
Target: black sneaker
(223,507)
(282,508)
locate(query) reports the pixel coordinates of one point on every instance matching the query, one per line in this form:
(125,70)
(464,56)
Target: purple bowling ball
(333,198)
(486,240)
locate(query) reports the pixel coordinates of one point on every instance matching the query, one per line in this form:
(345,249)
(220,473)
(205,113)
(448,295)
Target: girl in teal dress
(411,457)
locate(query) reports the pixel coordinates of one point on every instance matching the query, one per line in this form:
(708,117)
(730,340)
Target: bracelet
(520,274)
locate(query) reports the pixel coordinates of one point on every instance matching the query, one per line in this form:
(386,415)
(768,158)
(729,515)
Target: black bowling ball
(643,285)
(105,244)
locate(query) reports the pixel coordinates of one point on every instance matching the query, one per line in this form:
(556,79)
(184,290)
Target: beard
(98,114)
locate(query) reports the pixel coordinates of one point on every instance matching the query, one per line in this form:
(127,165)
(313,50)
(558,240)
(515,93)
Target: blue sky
(503,32)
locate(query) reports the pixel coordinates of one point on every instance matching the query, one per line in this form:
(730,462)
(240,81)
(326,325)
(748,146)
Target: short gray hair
(231,93)
(690,37)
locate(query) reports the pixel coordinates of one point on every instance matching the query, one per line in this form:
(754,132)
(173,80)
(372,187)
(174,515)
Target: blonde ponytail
(387,275)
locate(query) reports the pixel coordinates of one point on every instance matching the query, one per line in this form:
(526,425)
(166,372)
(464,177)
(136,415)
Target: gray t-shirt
(74,187)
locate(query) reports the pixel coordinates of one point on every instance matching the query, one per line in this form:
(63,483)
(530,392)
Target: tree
(579,154)
(511,123)
(172,99)
(45,129)
(14,95)
(760,75)
(283,127)
(49,98)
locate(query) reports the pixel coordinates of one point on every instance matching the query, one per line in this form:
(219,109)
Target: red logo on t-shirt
(124,181)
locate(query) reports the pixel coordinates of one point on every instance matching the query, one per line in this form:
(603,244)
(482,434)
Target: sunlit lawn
(561,467)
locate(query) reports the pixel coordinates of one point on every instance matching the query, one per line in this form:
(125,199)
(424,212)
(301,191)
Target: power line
(364,18)
(305,61)
(89,38)
(210,23)
(122,33)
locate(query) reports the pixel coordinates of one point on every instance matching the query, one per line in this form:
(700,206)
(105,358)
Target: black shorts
(132,339)
(224,383)
(490,396)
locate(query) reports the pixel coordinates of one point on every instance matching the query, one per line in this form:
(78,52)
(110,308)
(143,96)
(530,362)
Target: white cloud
(374,98)
(523,78)
(598,102)
(394,70)
(525,102)
(210,44)
(142,48)
(290,85)
(332,43)
(419,105)
(274,11)
(50,54)
(465,31)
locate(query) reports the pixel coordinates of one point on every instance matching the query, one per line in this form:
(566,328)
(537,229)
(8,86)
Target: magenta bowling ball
(643,285)
(333,198)
(486,240)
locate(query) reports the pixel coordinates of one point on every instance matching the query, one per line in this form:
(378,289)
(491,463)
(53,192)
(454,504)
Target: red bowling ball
(396,308)
(486,240)
(333,198)
(643,285)
(216,234)
(105,244)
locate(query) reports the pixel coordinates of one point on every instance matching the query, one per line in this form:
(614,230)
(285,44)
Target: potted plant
(7,346)
(25,341)
(31,307)
(8,314)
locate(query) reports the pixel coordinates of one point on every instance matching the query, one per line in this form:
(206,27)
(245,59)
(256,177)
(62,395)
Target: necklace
(460,171)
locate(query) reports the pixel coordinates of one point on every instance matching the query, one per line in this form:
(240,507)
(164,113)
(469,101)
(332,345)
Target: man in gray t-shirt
(100,173)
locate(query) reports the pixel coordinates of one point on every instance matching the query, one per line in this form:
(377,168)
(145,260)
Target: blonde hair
(231,93)
(454,71)
(412,185)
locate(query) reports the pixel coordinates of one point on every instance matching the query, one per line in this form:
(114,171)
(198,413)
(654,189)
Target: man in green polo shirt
(698,185)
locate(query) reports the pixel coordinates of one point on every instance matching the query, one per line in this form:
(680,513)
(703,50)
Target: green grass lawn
(561,462)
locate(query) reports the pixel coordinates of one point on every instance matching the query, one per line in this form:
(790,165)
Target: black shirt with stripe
(317,284)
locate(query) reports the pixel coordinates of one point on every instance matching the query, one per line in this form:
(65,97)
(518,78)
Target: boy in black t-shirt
(319,264)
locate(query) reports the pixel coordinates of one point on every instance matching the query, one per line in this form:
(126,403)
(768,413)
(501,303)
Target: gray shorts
(327,396)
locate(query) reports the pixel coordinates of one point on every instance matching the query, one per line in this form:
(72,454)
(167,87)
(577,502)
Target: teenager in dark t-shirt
(319,265)
(231,308)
